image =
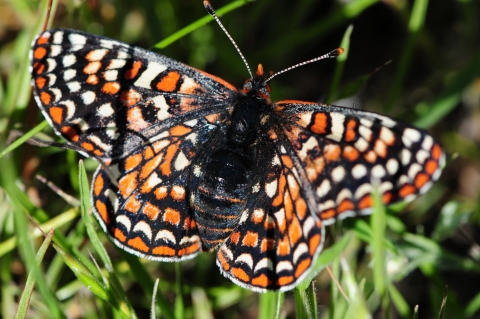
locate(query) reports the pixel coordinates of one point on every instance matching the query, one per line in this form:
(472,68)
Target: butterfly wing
(145,116)
(347,153)
(277,238)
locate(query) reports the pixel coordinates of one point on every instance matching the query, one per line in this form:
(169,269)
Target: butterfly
(190,163)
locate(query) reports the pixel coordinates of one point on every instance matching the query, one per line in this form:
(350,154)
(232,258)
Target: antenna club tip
(339,51)
(208,6)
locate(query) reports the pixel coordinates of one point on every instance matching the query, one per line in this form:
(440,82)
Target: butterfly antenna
(331,54)
(211,11)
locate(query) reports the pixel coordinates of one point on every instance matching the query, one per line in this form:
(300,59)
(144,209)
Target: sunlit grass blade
(110,279)
(399,302)
(29,285)
(357,307)
(267,304)
(201,305)
(200,22)
(23,138)
(58,221)
(324,259)
(305,303)
(378,224)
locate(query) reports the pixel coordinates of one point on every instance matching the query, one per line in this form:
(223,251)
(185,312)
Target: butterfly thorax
(224,181)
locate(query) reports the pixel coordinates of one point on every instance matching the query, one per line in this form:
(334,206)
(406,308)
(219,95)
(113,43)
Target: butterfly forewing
(109,98)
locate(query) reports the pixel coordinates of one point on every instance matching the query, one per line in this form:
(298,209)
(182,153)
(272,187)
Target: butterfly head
(257,86)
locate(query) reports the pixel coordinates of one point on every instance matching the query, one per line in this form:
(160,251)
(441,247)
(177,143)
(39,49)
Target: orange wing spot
(149,153)
(332,152)
(285,280)
(39,53)
(294,231)
(250,239)
(111,88)
(234,237)
(92,79)
(370,157)
(223,261)
(179,130)
(70,133)
(128,184)
(171,216)
(436,152)
(345,205)
(365,202)
(98,152)
(160,193)
(189,223)
(133,205)
(294,188)
(102,210)
(43,39)
(281,190)
(267,244)
(328,214)
(165,166)
(98,185)
(350,133)
(189,250)
(40,82)
(350,153)
(257,218)
(407,190)
(56,113)
(239,273)
(39,67)
(272,135)
(302,266)
(150,166)
(387,198)
(287,161)
(152,211)
(320,124)
(431,167)
(313,244)
(132,162)
(130,97)
(212,118)
(130,74)
(301,208)
(283,246)
(261,281)
(87,146)
(117,233)
(163,251)
(421,180)
(138,244)
(46,98)
(288,205)
(169,82)
(178,193)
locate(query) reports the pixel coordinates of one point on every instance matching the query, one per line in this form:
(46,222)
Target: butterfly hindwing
(277,238)
(347,153)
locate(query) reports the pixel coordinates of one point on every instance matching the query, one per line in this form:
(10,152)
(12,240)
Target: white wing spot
(88,97)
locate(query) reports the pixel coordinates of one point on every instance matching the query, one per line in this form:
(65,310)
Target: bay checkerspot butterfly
(200,165)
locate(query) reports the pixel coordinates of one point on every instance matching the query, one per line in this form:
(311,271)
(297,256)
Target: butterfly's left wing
(347,153)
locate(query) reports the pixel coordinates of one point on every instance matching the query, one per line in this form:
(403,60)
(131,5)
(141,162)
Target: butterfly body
(199,164)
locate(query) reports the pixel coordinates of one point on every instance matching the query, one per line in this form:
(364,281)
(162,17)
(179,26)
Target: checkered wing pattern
(145,116)
(347,153)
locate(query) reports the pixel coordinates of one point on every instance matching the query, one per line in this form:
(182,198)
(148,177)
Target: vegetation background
(416,60)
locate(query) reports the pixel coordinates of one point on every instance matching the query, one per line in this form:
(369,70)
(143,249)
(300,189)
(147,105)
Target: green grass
(385,265)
